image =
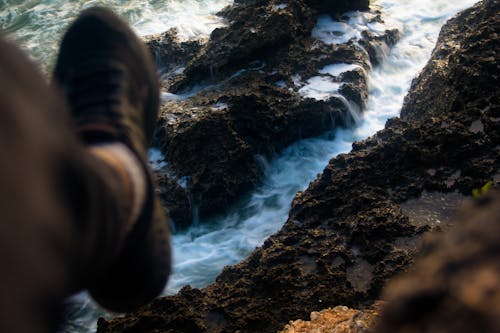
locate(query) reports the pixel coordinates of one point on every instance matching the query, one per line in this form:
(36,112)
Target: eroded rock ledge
(237,99)
(349,233)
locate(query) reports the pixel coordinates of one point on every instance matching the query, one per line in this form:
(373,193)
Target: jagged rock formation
(350,231)
(254,32)
(250,106)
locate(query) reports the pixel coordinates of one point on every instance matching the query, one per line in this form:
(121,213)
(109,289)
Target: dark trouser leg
(61,210)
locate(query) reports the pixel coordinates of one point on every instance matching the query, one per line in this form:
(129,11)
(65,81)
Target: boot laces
(95,90)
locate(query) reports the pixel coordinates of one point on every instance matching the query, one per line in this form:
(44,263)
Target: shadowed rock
(454,286)
(336,7)
(214,141)
(332,7)
(254,32)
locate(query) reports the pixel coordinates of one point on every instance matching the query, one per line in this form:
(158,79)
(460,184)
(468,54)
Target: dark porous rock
(465,67)
(336,7)
(351,231)
(378,46)
(454,286)
(251,2)
(254,32)
(332,7)
(215,142)
(174,197)
(215,136)
(171,54)
(216,139)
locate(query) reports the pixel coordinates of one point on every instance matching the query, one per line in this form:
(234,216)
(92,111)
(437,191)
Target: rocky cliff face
(238,98)
(360,222)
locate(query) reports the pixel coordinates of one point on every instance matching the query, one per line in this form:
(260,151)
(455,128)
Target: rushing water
(201,252)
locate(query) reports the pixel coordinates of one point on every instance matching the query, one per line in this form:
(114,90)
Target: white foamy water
(320,88)
(337,69)
(39,25)
(334,32)
(328,85)
(156,159)
(201,252)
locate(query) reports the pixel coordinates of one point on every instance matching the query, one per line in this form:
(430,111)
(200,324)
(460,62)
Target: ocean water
(39,25)
(201,252)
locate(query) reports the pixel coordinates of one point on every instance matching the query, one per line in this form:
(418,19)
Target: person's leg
(39,245)
(65,208)
(110,82)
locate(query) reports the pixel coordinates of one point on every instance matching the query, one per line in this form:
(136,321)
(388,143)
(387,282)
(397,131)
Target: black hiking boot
(111,86)
(109,80)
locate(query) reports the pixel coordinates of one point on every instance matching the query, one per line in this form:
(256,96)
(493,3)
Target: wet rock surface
(215,143)
(254,32)
(170,52)
(240,98)
(347,234)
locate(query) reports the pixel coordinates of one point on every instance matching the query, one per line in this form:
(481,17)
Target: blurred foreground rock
(455,286)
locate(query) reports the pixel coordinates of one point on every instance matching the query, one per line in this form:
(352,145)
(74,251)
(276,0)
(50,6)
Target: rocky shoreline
(238,100)
(354,228)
